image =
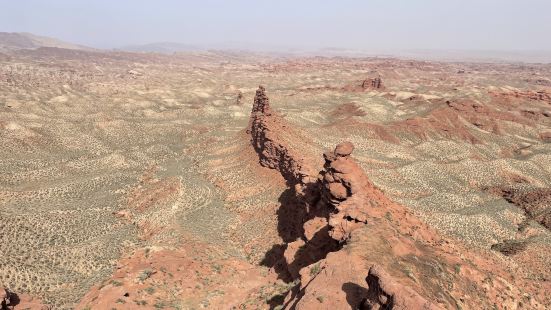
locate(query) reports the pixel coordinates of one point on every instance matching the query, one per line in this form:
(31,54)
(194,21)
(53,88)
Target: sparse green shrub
(315,270)
(146,273)
(457,268)
(217,268)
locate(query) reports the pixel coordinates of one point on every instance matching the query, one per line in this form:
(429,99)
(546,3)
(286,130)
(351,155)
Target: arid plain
(129,181)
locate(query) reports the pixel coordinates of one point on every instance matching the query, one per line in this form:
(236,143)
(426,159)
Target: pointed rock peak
(261,101)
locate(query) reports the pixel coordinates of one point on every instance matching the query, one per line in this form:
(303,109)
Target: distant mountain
(161,47)
(175,47)
(23,40)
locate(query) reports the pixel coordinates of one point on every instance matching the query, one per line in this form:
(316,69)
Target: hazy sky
(366,24)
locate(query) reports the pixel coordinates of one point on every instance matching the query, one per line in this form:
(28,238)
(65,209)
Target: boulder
(344,149)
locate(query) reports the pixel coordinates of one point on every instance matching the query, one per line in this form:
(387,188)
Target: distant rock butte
(239,98)
(373,83)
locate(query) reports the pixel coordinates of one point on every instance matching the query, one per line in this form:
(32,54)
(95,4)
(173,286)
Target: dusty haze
(416,27)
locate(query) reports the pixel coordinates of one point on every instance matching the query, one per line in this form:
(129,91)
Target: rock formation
(545,136)
(541,95)
(385,293)
(342,206)
(344,189)
(266,128)
(536,203)
(342,184)
(373,83)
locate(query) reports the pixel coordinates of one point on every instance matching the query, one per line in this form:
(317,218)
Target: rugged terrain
(136,181)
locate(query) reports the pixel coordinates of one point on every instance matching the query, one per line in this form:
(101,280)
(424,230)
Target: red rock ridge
(343,186)
(266,128)
(336,203)
(384,240)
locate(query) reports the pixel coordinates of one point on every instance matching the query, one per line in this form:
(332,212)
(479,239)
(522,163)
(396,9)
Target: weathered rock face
(335,202)
(266,128)
(261,101)
(385,293)
(536,202)
(344,189)
(324,220)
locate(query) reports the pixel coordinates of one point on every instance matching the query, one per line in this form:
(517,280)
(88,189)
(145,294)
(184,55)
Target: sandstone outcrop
(541,95)
(344,189)
(266,129)
(342,185)
(385,293)
(545,136)
(373,82)
(536,203)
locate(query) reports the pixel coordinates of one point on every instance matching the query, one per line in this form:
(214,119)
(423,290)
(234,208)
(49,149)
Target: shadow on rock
(313,251)
(355,295)
(275,259)
(8,299)
(290,216)
(297,252)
